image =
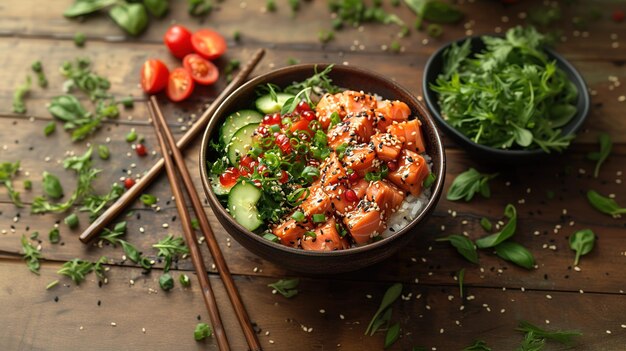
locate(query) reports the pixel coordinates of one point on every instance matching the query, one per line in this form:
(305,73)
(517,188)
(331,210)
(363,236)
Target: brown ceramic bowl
(335,261)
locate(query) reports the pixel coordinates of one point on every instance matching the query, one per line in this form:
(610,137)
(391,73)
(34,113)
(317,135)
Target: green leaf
(464,246)
(166,282)
(80,39)
(19,106)
(184,280)
(435,11)
(582,242)
(169,248)
(561,114)
(381,321)
(54,236)
(429,180)
(565,337)
(391,295)
(393,333)
(604,204)
(49,128)
(31,255)
(76,269)
(606,145)
(148,200)
(507,231)
(468,183)
(71,221)
(515,253)
(131,17)
(486,224)
(286,287)
(103,152)
(131,136)
(199,7)
(202,331)
(85,7)
(523,137)
(478,345)
(158,8)
(52,186)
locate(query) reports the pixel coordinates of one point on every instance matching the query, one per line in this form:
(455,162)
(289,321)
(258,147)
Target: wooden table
(329,312)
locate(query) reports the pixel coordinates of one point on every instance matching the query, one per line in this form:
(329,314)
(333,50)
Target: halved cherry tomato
(129,182)
(208,44)
(202,71)
(301,124)
(154,76)
(178,40)
(229,177)
(180,85)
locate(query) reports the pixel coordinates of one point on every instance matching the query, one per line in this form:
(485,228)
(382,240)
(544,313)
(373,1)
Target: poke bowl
(322,168)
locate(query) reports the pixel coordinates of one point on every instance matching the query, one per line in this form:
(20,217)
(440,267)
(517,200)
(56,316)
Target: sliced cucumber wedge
(240,143)
(236,121)
(266,104)
(217,186)
(242,202)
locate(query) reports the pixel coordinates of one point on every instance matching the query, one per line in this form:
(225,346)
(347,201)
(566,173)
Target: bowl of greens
(506,99)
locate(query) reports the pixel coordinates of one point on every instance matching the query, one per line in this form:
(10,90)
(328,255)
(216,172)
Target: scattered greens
(184,280)
(103,152)
(31,255)
(131,136)
(393,333)
(19,106)
(166,282)
(28,185)
(76,269)
(95,204)
(202,331)
(486,224)
(52,284)
(478,345)
(515,253)
(170,248)
(41,76)
(71,221)
(507,231)
(468,183)
(49,128)
(286,287)
(510,95)
(356,12)
(464,246)
(148,199)
(52,186)
(113,237)
(582,242)
(199,8)
(391,295)
(132,17)
(604,204)
(436,11)
(54,236)
(8,170)
(157,8)
(600,156)
(562,336)
(80,39)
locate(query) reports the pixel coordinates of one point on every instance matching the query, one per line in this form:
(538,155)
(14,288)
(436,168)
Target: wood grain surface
(331,311)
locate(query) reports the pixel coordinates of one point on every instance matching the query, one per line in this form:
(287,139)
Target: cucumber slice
(242,202)
(236,121)
(265,103)
(217,187)
(240,143)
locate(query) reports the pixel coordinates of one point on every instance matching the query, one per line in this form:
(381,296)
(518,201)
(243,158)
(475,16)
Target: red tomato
(178,40)
(154,75)
(202,71)
(128,183)
(141,150)
(180,85)
(208,44)
(229,177)
(301,124)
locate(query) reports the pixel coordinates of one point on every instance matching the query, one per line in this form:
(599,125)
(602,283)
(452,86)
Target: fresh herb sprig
(606,145)
(507,231)
(565,337)
(8,170)
(468,183)
(464,246)
(19,106)
(95,204)
(170,248)
(286,287)
(391,295)
(31,255)
(605,204)
(76,269)
(319,83)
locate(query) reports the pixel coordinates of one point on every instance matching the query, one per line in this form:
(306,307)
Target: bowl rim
(425,116)
(433,105)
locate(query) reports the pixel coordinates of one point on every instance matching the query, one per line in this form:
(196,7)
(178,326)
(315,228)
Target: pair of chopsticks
(133,193)
(167,145)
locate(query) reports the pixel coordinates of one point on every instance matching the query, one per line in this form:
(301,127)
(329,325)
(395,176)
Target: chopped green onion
(28,184)
(311,234)
(318,218)
(54,236)
(148,199)
(271,237)
(131,136)
(298,216)
(184,280)
(71,221)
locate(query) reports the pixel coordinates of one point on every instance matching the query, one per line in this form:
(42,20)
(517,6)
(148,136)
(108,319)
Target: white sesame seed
(113,324)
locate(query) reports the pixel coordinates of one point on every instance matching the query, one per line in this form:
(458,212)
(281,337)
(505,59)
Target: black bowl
(485,153)
(334,261)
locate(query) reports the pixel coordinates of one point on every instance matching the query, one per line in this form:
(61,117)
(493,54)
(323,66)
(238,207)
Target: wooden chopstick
(205,227)
(131,194)
(192,242)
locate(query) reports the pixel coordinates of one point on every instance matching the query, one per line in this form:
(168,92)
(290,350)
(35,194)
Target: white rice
(410,208)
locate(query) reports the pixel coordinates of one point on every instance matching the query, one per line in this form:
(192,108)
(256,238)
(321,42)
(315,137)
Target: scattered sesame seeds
(113,324)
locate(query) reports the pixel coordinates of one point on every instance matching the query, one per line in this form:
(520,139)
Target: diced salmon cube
(339,202)
(317,202)
(364,223)
(328,104)
(387,146)
(332,171)
(360,158)
(386,195)
(356,102)
(340,134)
(411,172)
(410,133)
(326,238)
(388,112)
(344,103)
(290,232)
(361,126)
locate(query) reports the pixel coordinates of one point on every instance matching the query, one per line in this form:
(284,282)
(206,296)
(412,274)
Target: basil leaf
(131,17)
(507,231)
(523,136)
(286,287)
(464,246)
(393,333)
(52,186)
(85,7)
(391,295)
(68,109)
(515,253)
(381,321)
(605,205)
(582,242)
(606,145)
(158,8)
(468,183)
